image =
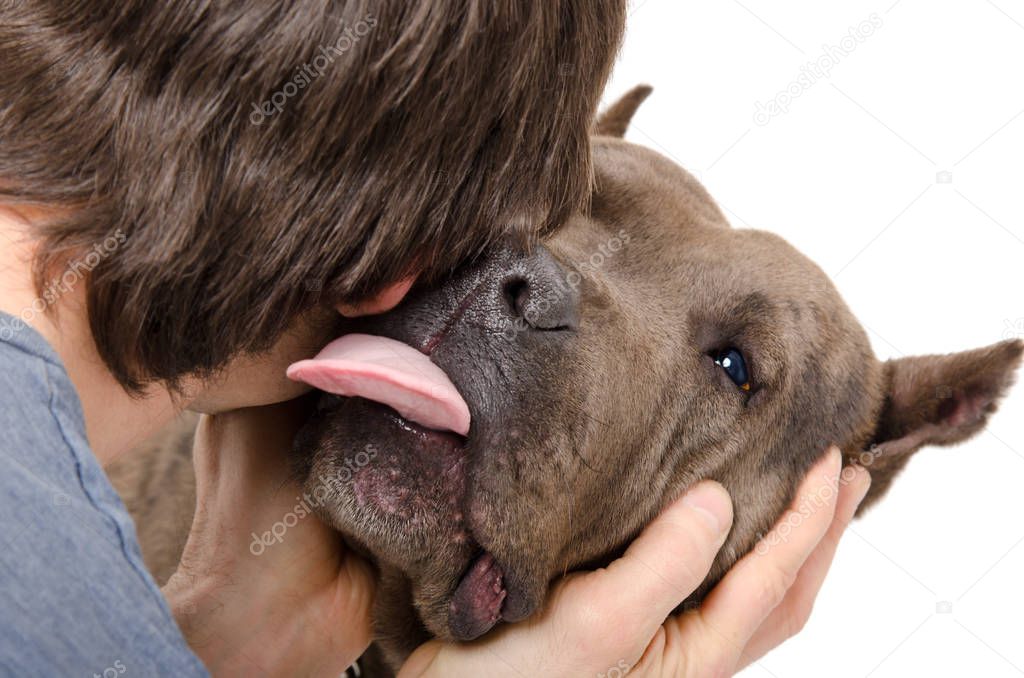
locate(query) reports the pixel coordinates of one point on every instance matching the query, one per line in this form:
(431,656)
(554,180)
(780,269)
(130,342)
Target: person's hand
(613,621)
(264,588)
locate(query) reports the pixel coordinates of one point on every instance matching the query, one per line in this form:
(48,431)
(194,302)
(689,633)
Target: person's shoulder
(18,338)
(37,398)
(80,597)
(44,452)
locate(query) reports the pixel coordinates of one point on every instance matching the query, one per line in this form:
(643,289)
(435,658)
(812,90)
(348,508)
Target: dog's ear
(614,121)
(943,399)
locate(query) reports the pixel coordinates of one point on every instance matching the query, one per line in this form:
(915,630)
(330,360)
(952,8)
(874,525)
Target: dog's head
(641,348)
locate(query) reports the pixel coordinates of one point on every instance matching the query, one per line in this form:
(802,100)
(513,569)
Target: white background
(930,263)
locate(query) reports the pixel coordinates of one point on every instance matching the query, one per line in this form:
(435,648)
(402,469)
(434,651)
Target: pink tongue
(388,372)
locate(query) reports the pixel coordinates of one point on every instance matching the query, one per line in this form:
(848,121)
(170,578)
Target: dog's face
(642,348)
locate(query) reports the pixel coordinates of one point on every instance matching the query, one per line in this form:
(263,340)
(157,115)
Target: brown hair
(245,154)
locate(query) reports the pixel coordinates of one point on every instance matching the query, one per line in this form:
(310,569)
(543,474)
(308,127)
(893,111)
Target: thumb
(669,559)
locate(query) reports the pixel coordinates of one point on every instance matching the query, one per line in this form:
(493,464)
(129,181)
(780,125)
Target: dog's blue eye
(732,361)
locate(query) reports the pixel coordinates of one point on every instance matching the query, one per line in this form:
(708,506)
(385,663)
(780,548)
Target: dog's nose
(539,292)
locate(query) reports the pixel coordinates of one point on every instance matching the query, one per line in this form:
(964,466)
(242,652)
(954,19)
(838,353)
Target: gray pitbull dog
(644,346)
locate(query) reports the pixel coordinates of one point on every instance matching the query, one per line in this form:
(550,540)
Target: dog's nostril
(515,290)
(536,293)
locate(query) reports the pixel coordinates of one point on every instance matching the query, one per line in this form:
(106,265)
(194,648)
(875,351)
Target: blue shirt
(75,597)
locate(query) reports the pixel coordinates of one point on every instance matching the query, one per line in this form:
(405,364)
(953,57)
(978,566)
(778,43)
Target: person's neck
(115,422)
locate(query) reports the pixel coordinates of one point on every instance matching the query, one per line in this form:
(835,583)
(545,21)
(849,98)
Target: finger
(421,661)
(665,563)
(357,586)
(385,301)
(735,608)
(792,613)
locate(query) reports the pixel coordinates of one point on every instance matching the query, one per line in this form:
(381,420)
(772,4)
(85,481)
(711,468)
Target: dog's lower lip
(478,600)
(483,596)
(486,593)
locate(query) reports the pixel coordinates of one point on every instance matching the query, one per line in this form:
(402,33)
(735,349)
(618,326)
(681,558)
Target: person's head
(218,173)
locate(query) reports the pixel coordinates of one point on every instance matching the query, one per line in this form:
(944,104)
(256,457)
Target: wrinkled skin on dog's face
(589,367)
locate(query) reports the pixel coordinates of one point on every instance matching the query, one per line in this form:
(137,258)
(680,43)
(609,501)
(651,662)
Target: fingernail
(712,503)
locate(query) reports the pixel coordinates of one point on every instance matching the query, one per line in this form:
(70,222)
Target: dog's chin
(401,495)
